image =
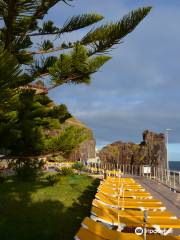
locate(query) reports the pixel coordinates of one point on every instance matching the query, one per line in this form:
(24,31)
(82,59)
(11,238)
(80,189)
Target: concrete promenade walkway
(169,198)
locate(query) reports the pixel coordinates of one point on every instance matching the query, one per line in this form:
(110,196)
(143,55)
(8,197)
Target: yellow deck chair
(127,194)
(120,181)
(116,188)
(85,234)
(125,205)
(91,230)
(130,213)
(117,185)
(113,190)
(114,172)
(117,179)
(98,207)
(151,223)
(134,221)
(100,195)
(126,187)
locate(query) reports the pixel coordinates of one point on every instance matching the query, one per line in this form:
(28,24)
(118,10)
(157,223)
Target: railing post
(162,172)
(166,176)
(174,180)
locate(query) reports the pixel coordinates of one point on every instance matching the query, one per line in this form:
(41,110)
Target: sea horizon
(174,165)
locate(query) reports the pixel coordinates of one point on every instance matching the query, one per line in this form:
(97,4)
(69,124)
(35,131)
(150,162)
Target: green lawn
(35,211)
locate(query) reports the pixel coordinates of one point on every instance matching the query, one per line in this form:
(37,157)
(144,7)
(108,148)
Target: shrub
(65,171)
(78,166)
(2,179)
(28,169)
(53,179)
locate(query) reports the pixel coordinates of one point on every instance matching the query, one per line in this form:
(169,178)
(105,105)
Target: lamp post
(167,147)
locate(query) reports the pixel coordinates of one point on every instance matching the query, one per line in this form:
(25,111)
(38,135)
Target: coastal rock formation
(86,149)
(151,151)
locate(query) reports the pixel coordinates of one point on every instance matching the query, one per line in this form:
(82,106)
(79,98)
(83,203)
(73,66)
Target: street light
(167,138)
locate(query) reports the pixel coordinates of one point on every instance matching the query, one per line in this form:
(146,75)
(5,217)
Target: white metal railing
(167,177)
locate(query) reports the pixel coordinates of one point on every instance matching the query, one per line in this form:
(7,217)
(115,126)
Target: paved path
(170,199)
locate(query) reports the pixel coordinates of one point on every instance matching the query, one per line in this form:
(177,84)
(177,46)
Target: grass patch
(34,210)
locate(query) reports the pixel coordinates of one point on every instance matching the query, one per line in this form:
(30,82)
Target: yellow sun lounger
(114,172)
(126,187)
(130,213)
(118,185)
(134,221)
(117,190)
(100,195)
(121,182)
(135,205)
(107,211)
(116,179)
(126,194)
(92,230)
(85,234)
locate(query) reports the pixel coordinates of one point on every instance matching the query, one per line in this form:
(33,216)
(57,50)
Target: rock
(151,151)
(86,149)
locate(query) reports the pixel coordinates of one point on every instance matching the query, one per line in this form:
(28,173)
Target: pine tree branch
(67,80)
(43,51)
(9,23)
(103,38)
(72,24)
(40,9)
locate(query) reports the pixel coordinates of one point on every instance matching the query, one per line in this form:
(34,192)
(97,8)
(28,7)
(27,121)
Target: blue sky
(139,88)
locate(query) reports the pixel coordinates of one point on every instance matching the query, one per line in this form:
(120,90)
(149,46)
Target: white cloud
(139,87)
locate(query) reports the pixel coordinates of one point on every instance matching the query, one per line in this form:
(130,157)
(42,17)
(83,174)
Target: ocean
(174,165)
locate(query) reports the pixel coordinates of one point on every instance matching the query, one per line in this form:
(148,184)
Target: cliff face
(86,149)
(152,151)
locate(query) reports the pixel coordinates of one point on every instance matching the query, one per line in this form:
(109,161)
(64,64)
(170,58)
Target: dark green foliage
(53,179)
(65,171)
(104,37)
(48,27)
(23,128)
(23,20)
(68,140)
(28,117)
(78,166)
(27,169)
(60,112)
(76,67)
(80,21)
(47,44)
(2,179)
(42,65)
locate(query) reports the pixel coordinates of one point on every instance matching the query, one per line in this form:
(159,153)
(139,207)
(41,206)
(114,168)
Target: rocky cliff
(86,149)
(152,151)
